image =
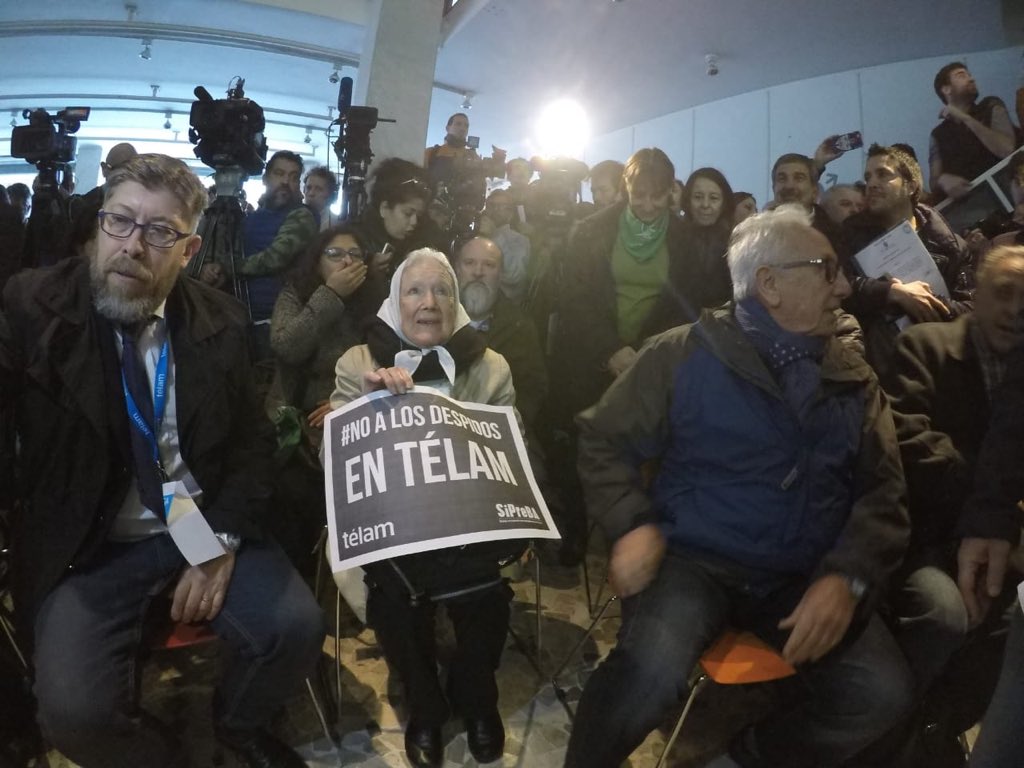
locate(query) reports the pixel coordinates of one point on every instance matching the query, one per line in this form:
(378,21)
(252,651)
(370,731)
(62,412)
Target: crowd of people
(771,438)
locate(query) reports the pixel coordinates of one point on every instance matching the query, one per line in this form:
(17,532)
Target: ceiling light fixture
(335,77)
(711,62)
(167,122)
(147,51)
(309,135)
(154,88)
(131,9)
(467,101)
(14,118)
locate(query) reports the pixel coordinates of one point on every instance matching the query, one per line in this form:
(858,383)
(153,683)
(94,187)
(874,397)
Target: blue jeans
(933,621)
(89,629)
(1001,741)
(852,695)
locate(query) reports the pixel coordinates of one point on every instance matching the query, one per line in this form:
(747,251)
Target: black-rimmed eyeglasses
(123,227)
(337,254)
(831,266)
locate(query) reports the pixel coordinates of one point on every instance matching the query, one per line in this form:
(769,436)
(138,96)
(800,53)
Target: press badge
(192,535)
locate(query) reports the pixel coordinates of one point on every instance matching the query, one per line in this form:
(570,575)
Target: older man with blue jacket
(778,507)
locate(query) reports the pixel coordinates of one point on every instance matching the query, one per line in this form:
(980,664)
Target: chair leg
(318,553)
(8,629)
(537,584)
(319,711)
(697,687)
(337,649)
(579,644)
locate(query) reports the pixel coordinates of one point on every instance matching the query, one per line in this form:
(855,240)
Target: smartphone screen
(848,141)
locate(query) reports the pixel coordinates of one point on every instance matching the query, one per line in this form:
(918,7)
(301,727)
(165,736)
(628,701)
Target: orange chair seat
(181,635)
(740,657)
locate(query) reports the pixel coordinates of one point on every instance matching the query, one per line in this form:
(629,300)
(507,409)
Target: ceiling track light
(467,101)
(335,77)
(711,62)
(147,51)
(14,118)
(167,121)
(309,135)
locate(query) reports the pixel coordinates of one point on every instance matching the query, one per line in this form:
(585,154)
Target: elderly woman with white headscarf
(422,335)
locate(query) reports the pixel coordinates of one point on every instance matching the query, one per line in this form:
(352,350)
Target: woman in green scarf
(628,274)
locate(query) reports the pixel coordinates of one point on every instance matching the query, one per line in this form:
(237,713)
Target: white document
(191,533)
(899,253)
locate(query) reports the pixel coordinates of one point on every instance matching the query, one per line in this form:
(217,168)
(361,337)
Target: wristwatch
(230,541)
(858,587)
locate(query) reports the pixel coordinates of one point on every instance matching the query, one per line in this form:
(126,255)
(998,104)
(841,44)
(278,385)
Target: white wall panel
(617,145)
(805,112)
(900,104)
(743,135)
(673,134)
(732,136)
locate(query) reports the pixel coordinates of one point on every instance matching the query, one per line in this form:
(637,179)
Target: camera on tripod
(460,185)
(228,133)
(556,193)
(47,138)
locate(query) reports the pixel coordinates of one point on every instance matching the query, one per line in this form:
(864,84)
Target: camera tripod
(49,221)
(223,231)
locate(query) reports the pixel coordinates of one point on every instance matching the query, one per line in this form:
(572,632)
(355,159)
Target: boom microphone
(344,96)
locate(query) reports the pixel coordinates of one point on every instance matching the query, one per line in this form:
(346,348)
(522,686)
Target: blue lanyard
(159,406)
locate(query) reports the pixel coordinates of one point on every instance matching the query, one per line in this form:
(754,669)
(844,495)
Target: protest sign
(420,471)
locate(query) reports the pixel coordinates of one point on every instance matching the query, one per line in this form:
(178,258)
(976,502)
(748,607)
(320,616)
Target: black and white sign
(420,471)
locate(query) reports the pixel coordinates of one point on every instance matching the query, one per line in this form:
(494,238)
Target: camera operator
(458,175)
(441,160)
(275,235)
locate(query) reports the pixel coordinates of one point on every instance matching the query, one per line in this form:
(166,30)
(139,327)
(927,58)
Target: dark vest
(260,230)
(962,152)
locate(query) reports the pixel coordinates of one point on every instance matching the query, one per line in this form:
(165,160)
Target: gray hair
(762,239)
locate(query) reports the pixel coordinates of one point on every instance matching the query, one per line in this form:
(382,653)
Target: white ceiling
(624,61)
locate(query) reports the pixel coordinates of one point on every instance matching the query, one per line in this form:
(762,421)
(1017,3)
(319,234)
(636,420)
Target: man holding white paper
(894,187)
(142,462)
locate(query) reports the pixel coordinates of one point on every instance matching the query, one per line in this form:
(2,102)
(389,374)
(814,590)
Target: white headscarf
(391,313)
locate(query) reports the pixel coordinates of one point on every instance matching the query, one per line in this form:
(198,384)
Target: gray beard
(477,299)
(118,308)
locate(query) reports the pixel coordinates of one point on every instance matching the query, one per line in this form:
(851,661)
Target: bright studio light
(563,129)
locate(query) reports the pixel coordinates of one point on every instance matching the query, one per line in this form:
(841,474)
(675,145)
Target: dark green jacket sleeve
(296,232)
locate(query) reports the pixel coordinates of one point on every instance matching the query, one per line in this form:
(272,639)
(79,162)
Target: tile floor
(177,686)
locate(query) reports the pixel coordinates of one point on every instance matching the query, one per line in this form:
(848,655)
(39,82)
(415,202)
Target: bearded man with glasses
(143,464)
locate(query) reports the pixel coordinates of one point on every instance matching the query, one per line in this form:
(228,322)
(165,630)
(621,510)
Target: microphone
(202,94)
(344,96)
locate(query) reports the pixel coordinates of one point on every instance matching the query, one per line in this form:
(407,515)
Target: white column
(396,73)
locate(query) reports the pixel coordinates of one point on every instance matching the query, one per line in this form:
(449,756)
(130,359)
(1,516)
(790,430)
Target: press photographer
(47,143)
(228,134)
(458,175)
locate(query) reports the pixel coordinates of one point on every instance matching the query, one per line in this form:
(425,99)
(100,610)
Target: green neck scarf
(639,239)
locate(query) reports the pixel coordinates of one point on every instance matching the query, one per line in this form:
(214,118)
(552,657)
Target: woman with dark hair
(744,206)
(630,274)
(708,221)
(317,317)
(395,216)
